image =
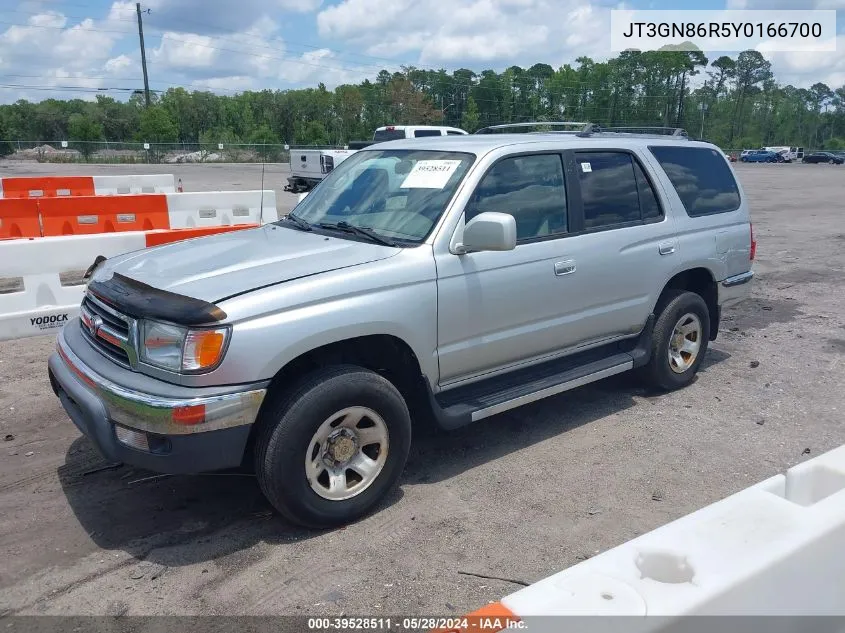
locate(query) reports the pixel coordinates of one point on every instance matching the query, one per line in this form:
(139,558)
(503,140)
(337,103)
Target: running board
(463,405)
(481,405)
(567,383)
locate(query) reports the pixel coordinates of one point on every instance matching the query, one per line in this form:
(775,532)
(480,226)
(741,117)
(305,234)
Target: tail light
(753,244)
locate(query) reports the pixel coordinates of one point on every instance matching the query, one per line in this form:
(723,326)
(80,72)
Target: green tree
(85,131)
(313,133)
(739,99)
(750,70)
(5,142)
(266,142)
(157,126)
(469,121)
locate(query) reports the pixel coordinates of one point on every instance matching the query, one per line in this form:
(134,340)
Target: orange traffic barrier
(85,215)
(48,186)
(19,218)
(492,618)
(175,235)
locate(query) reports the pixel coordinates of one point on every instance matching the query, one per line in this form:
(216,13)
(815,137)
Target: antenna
(263,160)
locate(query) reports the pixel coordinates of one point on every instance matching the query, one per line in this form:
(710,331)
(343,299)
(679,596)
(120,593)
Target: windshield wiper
(302,224)
(359,230)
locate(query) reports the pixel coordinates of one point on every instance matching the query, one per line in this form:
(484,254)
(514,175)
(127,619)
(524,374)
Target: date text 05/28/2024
(441,624)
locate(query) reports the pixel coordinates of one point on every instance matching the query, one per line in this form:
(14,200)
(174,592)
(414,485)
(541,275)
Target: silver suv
(445,279)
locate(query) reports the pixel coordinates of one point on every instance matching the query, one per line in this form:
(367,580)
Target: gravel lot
(519,496)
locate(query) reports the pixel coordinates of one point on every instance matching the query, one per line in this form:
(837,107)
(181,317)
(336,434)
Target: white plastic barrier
(776,548)
(220,208)
(33,300)
(123,184)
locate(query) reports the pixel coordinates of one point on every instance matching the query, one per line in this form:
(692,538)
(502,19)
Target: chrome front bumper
(163,415)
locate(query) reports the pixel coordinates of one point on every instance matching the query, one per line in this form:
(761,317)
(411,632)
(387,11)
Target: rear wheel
(332,447)
(679,341)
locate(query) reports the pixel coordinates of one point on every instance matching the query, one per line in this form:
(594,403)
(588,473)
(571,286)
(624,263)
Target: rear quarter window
(381,136)
(702,178)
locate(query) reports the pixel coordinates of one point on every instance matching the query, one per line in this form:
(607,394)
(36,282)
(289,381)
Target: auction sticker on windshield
(430,174)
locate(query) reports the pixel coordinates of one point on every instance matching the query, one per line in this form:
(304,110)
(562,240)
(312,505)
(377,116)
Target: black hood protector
(139,300)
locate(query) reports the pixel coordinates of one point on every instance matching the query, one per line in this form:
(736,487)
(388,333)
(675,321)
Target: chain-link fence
(165,153)
(139,153)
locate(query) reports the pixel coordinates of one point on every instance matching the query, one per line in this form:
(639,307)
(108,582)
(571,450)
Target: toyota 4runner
(445,279)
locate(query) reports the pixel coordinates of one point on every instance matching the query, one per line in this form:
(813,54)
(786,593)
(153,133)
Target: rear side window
(614,190)
(701,177)
(419,133)
(451,133)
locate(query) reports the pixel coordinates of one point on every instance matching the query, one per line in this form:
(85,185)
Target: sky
(80,48)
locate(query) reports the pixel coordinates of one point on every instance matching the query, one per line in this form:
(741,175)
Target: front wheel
(679,341)
(331,448)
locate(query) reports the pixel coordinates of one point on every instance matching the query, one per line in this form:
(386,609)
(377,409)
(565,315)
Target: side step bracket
(462,405)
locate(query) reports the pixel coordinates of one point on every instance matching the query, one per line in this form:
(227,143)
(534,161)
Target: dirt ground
(519,496)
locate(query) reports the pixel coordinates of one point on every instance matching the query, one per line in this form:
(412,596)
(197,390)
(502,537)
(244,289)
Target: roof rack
(589,129)
(492,129)
(660,131)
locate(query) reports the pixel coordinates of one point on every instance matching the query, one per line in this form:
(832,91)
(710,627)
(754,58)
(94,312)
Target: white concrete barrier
(41,278)
(776,548)
(130,183)
(41,283)
(221,208)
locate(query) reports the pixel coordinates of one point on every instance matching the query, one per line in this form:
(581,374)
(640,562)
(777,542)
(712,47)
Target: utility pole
(143,54)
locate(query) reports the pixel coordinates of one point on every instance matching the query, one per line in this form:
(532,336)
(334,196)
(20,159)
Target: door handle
(666,248)
(566,267)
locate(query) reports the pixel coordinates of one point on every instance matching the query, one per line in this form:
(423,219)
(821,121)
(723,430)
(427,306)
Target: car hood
(228,264)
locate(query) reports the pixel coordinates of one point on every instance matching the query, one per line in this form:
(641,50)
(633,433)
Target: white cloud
(48,19)
(257,52)
(460,32)
(51,51)
(806,68)
(221,45)
(227,45)
(184,50)
(235,82)
(119,64)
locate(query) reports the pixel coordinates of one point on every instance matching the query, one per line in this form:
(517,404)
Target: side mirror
(489,232)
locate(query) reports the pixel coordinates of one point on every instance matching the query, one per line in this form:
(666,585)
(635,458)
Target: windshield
(397,194)
(388,135)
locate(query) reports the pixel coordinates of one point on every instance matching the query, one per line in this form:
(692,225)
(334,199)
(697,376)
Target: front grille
(115,334)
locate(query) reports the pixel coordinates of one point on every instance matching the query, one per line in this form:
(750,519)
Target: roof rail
(666,131)
(492,129)
(588,129)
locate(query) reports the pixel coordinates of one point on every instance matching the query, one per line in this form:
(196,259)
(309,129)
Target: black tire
(672,306)
(287,424)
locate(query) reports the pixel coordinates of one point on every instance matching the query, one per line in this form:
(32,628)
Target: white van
(394,132)
(310,166)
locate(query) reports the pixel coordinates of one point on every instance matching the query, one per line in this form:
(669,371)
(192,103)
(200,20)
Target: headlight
(182,349)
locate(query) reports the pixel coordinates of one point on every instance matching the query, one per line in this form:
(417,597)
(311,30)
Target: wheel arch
(701,281)
(387,355)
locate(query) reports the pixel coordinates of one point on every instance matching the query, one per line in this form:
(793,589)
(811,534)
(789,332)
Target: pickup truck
(443,280)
